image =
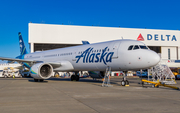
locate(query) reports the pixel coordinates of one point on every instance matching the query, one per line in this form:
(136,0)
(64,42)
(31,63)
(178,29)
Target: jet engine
(96,74)
(41,71)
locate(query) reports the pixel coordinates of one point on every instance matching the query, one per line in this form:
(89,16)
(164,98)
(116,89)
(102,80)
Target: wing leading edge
(18,60)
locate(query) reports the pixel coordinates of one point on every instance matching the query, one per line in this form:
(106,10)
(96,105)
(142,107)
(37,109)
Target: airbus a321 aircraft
(120,55)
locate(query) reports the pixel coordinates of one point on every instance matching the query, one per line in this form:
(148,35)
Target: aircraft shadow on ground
(80,80)
(87,80)
(45,81)
(68,79)
(113,82)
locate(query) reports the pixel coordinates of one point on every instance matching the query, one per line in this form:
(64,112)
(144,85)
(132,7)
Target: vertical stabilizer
(23,50)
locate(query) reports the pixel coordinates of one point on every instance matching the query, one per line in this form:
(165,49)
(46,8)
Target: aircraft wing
(18,60)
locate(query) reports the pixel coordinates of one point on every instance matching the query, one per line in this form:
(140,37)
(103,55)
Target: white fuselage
(98,56)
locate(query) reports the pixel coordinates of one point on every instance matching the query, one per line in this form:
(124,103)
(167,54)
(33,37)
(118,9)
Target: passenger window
(143,47)
(136,47)
(130,47)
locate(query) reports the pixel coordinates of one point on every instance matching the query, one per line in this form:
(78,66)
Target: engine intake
(41,71)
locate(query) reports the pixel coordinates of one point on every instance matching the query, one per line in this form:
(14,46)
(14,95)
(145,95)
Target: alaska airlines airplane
(120,55)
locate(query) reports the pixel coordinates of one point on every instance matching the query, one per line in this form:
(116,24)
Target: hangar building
(48,36)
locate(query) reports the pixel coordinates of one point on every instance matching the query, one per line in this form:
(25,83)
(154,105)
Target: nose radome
(154,58)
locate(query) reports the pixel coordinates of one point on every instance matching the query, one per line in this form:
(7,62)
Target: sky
(16,14)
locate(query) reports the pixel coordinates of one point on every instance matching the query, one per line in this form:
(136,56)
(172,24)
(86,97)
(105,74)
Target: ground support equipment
(162,73)
(157,84)
(106,80)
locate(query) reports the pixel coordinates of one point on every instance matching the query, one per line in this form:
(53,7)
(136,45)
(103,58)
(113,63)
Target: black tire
(25,75)
(176,77)
(127,82)
(77,78)
(142,83)
(35,80)
(123,83)
(73,77)
(5,76)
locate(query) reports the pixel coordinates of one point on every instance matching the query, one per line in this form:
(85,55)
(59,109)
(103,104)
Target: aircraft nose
(154,58)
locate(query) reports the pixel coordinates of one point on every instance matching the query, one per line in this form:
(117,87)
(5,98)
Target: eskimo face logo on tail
(89,57)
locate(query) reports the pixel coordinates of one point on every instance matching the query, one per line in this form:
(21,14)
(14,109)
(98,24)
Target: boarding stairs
(106,80)
(162,73)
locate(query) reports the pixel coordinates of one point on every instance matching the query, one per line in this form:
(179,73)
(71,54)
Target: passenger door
(114,48)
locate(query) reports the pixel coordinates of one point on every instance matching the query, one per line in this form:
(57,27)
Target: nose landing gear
(125,82)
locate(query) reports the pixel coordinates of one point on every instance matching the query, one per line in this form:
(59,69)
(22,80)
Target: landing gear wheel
(73,77)
(142,83)
(77,78)
(127,82)
(41,80)
(123,83)
(35,80)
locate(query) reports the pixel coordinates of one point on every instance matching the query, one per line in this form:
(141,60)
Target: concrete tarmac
(60,95)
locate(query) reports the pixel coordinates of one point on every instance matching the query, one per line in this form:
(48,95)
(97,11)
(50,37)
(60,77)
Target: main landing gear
(75,77)
(125,82)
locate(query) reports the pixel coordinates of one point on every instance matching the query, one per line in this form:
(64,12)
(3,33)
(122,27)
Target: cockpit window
(136,47)
(143,47)
(130,47)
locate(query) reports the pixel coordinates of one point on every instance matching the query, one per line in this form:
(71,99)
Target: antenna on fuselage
(122,37)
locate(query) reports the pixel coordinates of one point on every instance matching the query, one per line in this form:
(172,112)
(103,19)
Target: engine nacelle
(96,74)
(41,71)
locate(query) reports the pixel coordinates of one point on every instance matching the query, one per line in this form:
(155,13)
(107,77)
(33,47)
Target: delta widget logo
(140,37)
